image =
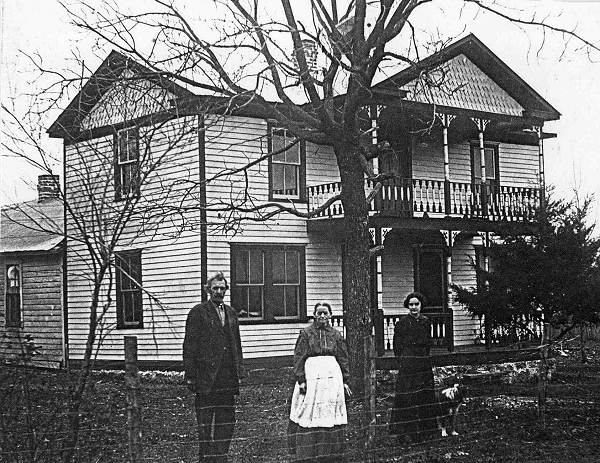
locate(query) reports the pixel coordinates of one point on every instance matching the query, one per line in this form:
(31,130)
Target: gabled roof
(485,60)
(68,122)
(31,226)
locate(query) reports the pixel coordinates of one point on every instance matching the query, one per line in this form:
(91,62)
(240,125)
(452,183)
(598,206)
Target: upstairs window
(491,164)
(127,160)
(13,295)
(268,282)
(129,289)
(287,170)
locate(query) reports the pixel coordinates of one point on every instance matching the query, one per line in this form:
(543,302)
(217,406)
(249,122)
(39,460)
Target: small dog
(450,400)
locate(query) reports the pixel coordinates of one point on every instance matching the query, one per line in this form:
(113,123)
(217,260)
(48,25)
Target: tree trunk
(355,263)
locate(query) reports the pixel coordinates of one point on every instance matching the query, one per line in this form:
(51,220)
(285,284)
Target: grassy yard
(498,422)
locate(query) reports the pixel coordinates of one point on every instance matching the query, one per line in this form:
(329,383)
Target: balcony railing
(417,197)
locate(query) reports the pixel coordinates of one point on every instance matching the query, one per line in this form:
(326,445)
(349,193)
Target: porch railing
(441,329)
(414,197)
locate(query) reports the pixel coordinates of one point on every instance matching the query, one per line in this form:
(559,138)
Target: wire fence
(498,421)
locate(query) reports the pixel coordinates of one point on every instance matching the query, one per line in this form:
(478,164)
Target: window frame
(11,321)
(301,175)
(134,186)
(138,314)
(268,317)
(475,161)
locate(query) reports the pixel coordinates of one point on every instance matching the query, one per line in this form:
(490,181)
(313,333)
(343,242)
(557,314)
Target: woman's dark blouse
(314,341)
(412,340)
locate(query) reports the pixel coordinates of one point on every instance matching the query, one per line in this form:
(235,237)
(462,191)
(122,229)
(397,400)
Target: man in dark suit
(212,354)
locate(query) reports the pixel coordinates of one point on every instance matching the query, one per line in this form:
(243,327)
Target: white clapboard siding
(397,274)
(321,165)
(170,257)
(428,161)
(463,274)
(519,165)
(459,157)
(232,142)
(324,272)
(41,309)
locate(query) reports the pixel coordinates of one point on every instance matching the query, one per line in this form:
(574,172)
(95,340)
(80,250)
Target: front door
(430,279)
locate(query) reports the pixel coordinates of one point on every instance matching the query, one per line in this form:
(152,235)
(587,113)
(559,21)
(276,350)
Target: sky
(570,81)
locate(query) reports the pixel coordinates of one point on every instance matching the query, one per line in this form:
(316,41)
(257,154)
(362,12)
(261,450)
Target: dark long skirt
(415,406)
(323,445)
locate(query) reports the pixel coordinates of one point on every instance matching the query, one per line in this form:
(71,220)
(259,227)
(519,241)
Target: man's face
(217,291)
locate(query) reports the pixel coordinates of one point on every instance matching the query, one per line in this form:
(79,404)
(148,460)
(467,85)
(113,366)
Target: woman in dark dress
(415,408)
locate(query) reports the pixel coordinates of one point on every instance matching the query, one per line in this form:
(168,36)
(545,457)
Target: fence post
(134,416)
(369,403)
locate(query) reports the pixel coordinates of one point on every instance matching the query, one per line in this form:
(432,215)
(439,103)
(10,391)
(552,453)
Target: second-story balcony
(413,198)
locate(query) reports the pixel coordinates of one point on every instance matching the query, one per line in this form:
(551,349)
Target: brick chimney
(48,187)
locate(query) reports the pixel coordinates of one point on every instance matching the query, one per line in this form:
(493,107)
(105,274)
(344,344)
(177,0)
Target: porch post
(485,236)
(481,125)
(374,111)
(541,166)
(449,236)
(446,120)
(378,234)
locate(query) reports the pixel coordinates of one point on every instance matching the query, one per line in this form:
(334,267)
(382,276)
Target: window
(430,277)
(287,169)
(491,164)
(268,282)
(129,289)
(127,158)
(13,295)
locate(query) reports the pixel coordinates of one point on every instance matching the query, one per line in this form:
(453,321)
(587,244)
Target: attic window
(127,163)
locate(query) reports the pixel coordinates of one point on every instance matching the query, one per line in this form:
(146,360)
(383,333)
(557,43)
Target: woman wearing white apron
(318,408)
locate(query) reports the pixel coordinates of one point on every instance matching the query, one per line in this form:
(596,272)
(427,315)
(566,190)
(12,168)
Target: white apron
(324,404)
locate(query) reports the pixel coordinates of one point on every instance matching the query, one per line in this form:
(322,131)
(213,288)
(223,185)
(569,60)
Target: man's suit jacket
(204,344)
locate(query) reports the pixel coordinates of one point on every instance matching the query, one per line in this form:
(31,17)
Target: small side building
(31,296)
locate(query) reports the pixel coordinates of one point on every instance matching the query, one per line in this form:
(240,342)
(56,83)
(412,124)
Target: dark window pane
(291,267)
(122,136)
(256,267)
(292,155)
(239,299)
(278,142)
(278,301)
(291,180)
(127,306)
(126,179)
(132,148)
(241,267)
(277,180)
(13,309)
(255,301)
(291,301)
(278,267)
(490,163)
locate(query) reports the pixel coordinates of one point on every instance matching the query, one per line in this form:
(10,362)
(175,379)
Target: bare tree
(244,57)
(103,210)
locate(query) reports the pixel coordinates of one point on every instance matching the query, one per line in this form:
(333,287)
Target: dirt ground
(497,424)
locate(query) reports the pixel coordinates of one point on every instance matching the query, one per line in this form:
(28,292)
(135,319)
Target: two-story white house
(466,159)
